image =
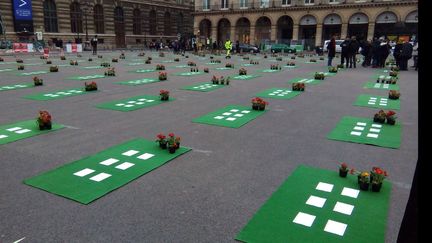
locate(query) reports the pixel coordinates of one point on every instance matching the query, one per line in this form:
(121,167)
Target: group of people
(375,52)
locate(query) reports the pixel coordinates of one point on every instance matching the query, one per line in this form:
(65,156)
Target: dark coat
(397,50)
(345,47)
(353,47)
(407,49)
(331,47)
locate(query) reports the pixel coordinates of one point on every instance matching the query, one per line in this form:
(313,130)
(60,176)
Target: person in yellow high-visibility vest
(228,47)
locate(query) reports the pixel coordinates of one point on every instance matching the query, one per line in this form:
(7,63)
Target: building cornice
(161,4)
(306,8)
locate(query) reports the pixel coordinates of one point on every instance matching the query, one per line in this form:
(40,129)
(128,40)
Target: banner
(23,47)
(22,9)
(73,48)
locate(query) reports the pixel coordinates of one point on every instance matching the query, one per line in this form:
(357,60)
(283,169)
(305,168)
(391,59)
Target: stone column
(318,35)
(273,33)
(214,33)
(252,35)
(371,31)
(344,30)
(233,38)
(295,32)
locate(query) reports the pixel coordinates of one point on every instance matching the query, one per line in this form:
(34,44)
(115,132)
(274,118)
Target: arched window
(167,23)
(50,16)
(137,22)
(152,22)
(76,18)
(118,20)
(99,23)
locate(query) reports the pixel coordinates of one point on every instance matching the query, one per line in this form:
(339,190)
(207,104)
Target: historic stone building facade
(307,21)
(118,23)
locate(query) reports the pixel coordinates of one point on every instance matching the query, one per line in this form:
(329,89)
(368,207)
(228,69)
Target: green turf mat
(375,101)
(364,130)
(371,85)
(15,86)
(181,66)
(6,70)
(315,205)
(146,71)
(188,73)
(312,62)
(6,63)
(139,81)
(268,71)
(60,94)
(93,67)
(33,64)
(87,77)
(32,73)
(133,103)
(233,116)
(305,80)
(224,68)
(168,61)
(92,177)
(244,77)
(24,129)
(203,87)
(136,63)
(210,63)
(286,66)
(248,65)
(278,93)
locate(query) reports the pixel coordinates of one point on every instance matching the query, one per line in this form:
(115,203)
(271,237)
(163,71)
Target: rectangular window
(309,2)
(224,4)
(286,2)
(206,4)
(333,1)
(243,3)
(264,3)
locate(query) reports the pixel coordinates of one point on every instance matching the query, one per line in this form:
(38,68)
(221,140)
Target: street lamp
(87,7)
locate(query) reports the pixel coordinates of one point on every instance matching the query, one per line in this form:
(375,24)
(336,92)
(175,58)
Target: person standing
(344,51)
(415,55)
(228,47)
(237,47)
(405,55)
(375,53)
(397,52)
(367,53)
(94,42)
(352,52)
(331,47)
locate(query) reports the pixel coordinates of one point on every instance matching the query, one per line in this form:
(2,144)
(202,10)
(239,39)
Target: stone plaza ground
(238,157)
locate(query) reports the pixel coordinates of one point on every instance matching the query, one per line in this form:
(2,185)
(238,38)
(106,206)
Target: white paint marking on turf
(322,186)
(238,115)
(128,105)
(335,227)
(231,119)
(343,208)
(377,85)
(350,192)
(17,241)
(109,161)
(234,110)
(226,113)
(304,219)
(373,98)
(124,166)
(145,156)
(13,129)
(376,125)
(361,124)
(316,201)
(84,172)
(100,177)
(372,135)
(3,136)
(245,112)
(385,86)
(359,128)
(218,117)
(23,131)
(355,133)
(71,127)
(130,152)
(374,130)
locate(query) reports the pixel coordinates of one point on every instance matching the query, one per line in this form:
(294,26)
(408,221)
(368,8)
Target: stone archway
(385,24)
(358,26)
(284,29)
(205,28)
(242,30)
(307,31)
(332,26)
(223,30)
(262,30)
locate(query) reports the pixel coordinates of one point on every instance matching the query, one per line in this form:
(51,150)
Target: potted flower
(54,69)
(206,70)
(19,60)
(114,60)
(92,86)
(148,61)
(333,70)
(291,63)
(319,76)
(90,59)
(20,67)
(363,180)
(191,64)
(161,54)
(293,57)
(172,145)
(391,117)
(73,63)
(37,81)
(254,62)
(242,71)
(164,95)
(100,56)
(279,59)
(275,67)
(177,141)
(162,76)
(394,94)
(396,69)
(211,57)
(343,170)
(105,64)
(161,139)
(296,86)
(246,58)
(149,58)
(215,80)
(393,73)
(160,67)
(321,58)
(194,70)
(122,56)
(44,120)
(141,54)
(340,66)
(110,72)
(265,56)
(48,62)
(1,59)
(229,65)
(377,176)
(62,58)
(258,104)
(301,55)
(176,59)
(380,117)
(78,55)
(227,80)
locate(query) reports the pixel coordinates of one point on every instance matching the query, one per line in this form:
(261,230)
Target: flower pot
(255,106)
(391,121)
(165,98)
(343,173)
(379,120)
(376,187)
(177,146)
(163,145)
(364,186)
(261,107)
(172,149)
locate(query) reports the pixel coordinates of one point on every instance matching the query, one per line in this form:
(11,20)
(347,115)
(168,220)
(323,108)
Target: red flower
(161,136)
(391,113)
(171,135)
